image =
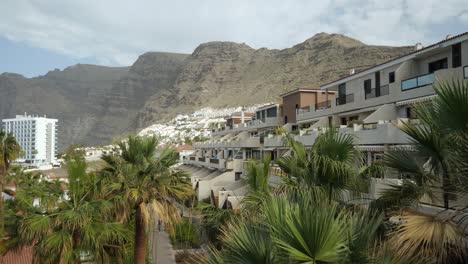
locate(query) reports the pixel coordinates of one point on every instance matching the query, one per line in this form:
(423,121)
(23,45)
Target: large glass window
(438,65)
(271,112)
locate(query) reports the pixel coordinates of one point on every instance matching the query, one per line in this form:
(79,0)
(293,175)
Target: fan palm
(439,148)
(259,189)
(436,238)
(9,151)
(143,182)
(307,230)
(327,167)
(76,228)
(246,243)
(214,219)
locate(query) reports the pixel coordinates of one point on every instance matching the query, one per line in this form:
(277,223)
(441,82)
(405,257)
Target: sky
(40,35)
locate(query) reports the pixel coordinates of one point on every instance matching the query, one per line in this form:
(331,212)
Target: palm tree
(76,228)
(9,151)
(439,149)
(259,189)
(434,238)
(308,230)
(143,182)
(214,219)
(328,167)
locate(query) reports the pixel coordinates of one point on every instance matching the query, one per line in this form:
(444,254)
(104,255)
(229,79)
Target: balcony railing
(373,92)
(201,159)
(349,98)
(214,161)
(317,107)
(417,82)
(323,105)
(192,158)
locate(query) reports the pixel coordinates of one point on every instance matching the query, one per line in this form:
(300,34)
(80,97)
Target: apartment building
(300,99)
(217,165)
(370,105)
(36,136)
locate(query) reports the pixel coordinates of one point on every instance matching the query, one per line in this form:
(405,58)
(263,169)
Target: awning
(416,100)
(358,111)
(287,154)
(371,147)
(384,113)
(269,149)
(323,122)
(307,121)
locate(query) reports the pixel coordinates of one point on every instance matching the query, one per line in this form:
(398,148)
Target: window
(342,93)
(391,77)
(344,121)
(368,86)
(438,65)
(271,112)
(456,55)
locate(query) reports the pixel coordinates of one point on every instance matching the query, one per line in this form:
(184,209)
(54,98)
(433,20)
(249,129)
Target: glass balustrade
(417,82)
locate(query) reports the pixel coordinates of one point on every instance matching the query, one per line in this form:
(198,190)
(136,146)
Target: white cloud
(115,32)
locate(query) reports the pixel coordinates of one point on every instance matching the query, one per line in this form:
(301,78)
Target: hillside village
(198,126)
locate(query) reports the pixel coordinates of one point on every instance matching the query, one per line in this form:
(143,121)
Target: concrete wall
(408,69)
(204,186)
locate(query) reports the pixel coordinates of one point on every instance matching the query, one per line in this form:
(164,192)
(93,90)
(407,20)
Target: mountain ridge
(96,103)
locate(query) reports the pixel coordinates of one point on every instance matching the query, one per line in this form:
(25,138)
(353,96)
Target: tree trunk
(446,186)
(2,216)
(140,238)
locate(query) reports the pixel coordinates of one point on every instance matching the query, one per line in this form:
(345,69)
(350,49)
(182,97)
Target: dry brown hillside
(95,103)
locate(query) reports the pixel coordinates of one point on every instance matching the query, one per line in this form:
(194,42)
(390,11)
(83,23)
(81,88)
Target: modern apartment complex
(36,136)
(370,105)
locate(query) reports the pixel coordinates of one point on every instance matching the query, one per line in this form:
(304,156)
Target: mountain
(223,74)
(96,103)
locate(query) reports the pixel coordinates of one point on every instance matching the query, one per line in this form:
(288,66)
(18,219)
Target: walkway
(160,247)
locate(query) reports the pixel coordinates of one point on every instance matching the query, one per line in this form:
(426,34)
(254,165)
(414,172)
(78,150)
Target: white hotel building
(36,136)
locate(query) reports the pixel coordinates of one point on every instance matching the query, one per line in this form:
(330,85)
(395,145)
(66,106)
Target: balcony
(349,98)
(252,125)
(315,107)
(376,134)
(373,93)
(250,142)
(273,142)
(323,105)
(416,82)
(214,163)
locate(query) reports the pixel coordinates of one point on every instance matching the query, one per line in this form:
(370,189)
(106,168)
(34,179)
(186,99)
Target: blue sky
(38,36)
(21,58)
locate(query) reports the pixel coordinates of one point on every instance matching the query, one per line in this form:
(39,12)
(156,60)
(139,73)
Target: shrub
(185,235)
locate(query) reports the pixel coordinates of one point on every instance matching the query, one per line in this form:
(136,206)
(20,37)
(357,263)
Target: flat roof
(386,64)
(266,107)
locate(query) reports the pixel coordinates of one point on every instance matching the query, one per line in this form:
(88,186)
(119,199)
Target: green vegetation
(311,218)
(100,216)
(184,235)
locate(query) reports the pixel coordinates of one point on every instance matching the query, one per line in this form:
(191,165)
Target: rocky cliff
(95,103)
(220,74)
